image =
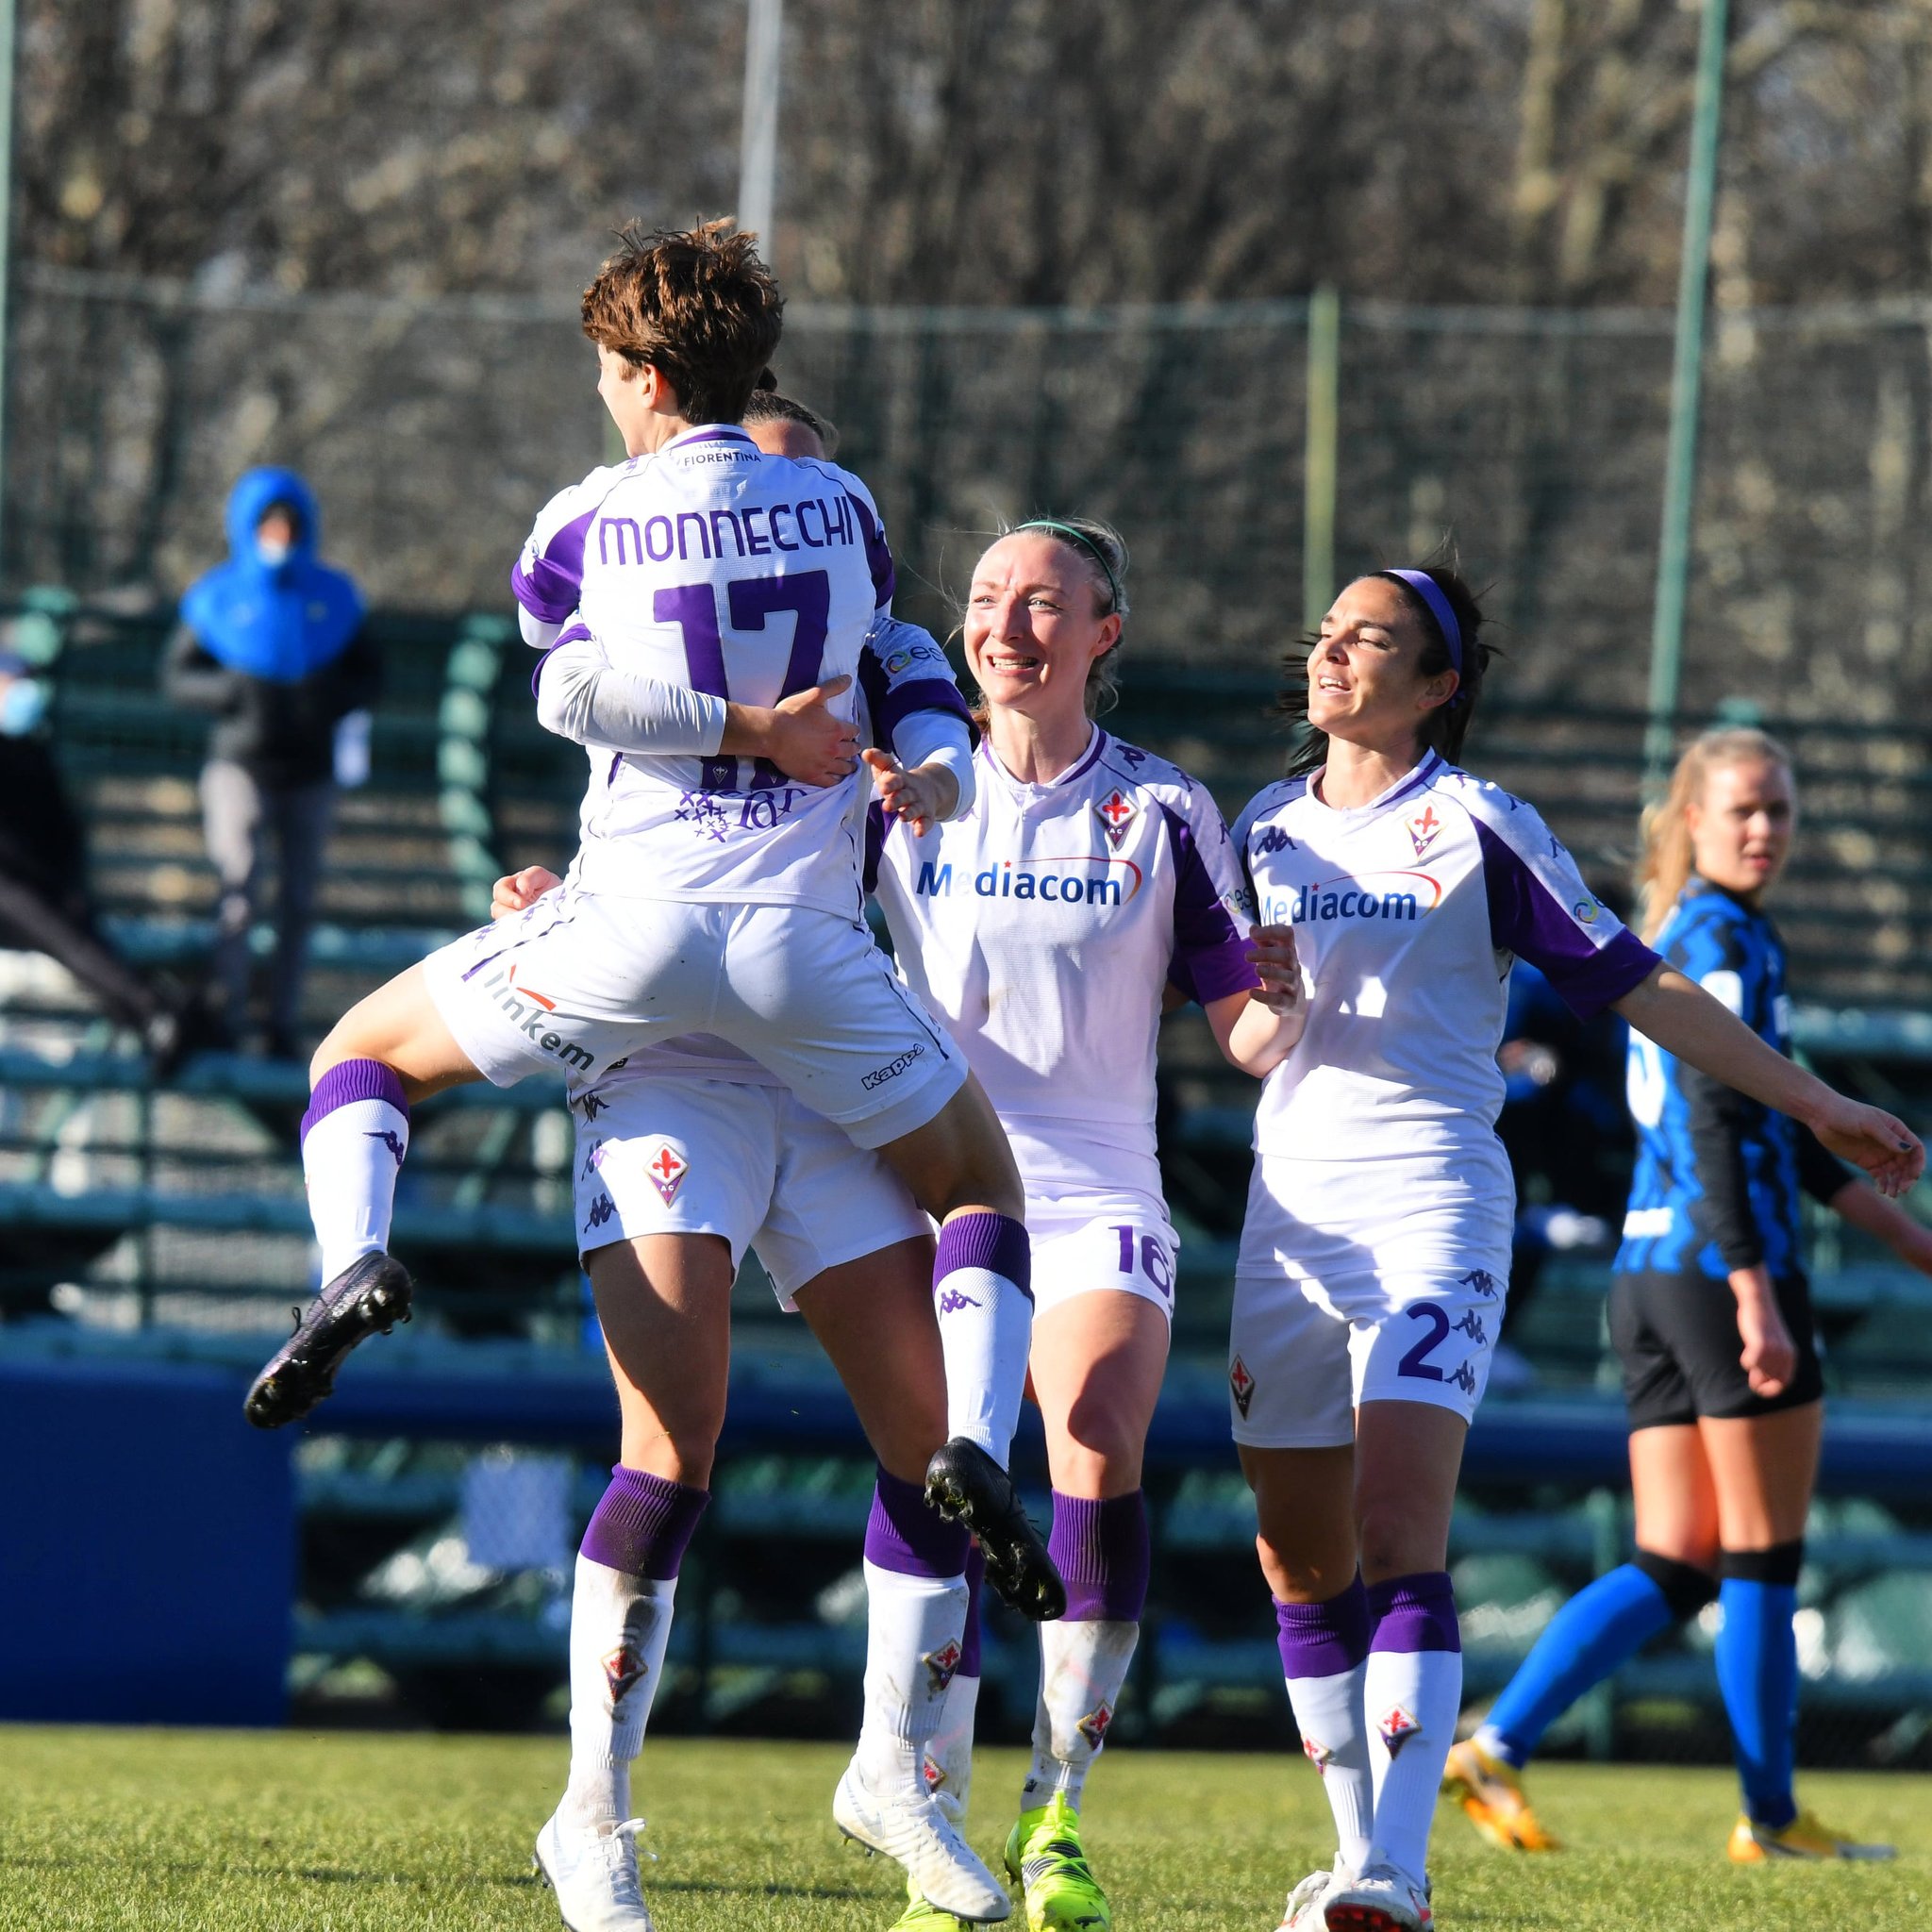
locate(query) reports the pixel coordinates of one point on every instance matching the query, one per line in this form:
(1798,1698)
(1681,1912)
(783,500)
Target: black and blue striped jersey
(1718,1174)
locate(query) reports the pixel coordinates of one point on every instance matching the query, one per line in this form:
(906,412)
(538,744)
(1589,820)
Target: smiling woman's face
(1032,628)
(1365,679)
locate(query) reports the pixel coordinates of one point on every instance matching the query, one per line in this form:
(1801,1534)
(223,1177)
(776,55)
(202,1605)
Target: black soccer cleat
(965,1484)
(368,1297)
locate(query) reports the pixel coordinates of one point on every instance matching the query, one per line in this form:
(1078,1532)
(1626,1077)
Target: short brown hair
(696,304)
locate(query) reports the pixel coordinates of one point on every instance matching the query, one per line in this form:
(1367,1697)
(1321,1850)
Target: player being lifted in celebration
(686,1154)
(1375,1254)
(1712,1315)
(1089,882)
(710,892)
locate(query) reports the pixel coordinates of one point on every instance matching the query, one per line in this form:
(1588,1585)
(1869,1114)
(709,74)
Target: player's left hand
(922,796)
(518,892)
(1271,954)
(1870,1138)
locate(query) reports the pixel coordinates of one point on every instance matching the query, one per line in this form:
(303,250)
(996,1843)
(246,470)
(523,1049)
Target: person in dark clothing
(274,642)
(45,907)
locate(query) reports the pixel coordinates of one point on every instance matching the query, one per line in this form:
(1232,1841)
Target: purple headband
(1439,607)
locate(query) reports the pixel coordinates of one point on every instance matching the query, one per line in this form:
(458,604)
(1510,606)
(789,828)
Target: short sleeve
(549,572)
(901,670)
(1541,910)
(1210,958)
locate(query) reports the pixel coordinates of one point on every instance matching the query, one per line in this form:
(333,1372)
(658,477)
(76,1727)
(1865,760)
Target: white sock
(1082,1668)
(1412,1699)
(913,1627)
(619,1626)
(350,1159)
(986,1327)
(949,1751)
(1328,1712)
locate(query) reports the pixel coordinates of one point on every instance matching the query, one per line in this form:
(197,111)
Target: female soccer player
(709,893)
(687,1155)
(1711,1317)
(1046,928)
(1376,1248)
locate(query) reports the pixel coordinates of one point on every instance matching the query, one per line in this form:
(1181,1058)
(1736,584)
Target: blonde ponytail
(1663,866)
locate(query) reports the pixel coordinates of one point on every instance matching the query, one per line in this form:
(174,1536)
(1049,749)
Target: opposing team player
(1375,1253)
(1089,883)
(709,892)
(686,1156)
(1711,1316)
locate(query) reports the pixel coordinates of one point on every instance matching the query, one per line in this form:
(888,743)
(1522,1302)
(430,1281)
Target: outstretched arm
(1684,1019)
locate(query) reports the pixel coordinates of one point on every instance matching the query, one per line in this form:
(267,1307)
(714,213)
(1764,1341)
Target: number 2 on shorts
(1416,1362)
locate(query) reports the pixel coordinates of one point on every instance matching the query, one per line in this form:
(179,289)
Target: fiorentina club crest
(1093,1726)
(1398,1728)
(623,1670)
(1116,814)
(667,1168)
(1241,1384)
(1318,1754)
(940,1666)
(1424,829)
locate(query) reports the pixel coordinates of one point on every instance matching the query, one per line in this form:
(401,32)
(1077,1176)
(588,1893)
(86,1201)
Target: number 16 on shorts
(1128,1256)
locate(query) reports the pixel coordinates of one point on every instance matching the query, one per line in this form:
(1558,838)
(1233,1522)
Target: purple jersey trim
(576,633)
(877,829)
(550,589)
(717,432)
(1525,919)
(878,556)
(1430,765)
(1086,763)
(901,701)
(1209,962)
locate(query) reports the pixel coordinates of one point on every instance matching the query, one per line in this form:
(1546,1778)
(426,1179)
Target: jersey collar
(1078,769)
(710,432)
(1406,786)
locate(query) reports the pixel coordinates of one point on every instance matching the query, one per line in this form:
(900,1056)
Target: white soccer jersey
(1043,927)
(1406,912)
(744,575)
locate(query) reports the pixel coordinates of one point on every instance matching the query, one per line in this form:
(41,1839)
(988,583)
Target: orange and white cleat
(1491,1797)
(1805,1837)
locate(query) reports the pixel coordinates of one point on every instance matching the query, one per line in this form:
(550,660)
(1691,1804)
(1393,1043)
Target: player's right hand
(1874,1140)
(807,742)
(1770,1356)
(1271,954)
(519,890)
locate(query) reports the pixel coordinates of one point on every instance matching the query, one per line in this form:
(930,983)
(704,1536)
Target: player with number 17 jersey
(743,576)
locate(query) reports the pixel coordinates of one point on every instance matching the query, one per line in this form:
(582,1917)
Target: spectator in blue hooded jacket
(273,643)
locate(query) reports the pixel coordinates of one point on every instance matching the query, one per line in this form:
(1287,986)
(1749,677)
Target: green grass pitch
(267,1832)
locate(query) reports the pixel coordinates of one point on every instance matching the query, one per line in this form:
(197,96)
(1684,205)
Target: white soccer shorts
(579,980)
(1335,1307)
(679,1155)
(1084,1243)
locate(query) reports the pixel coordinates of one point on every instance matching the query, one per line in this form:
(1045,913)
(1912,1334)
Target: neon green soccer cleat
(922,1915)
(1043,1855)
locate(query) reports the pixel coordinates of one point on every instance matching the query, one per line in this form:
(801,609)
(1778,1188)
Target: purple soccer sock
(354,1137)
(968,1638)
(982,1287)
(906,1535)
(642,1523)
(1325,1640)
(1104,1555)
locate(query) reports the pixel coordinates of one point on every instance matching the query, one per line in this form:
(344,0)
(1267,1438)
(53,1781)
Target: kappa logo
(1273,840)
(666,1169)
(891,1069)
(1397,1727)
(1093,1726)
(1116,814)
(1241,1384)
(592,1161)
(623,1670)
(389,1139)
(594,1104)
(601,1209)
(941,1664)
(1423,829)
(1317,1753)
(953,1301)
(1471,1325)
(1482,1281)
